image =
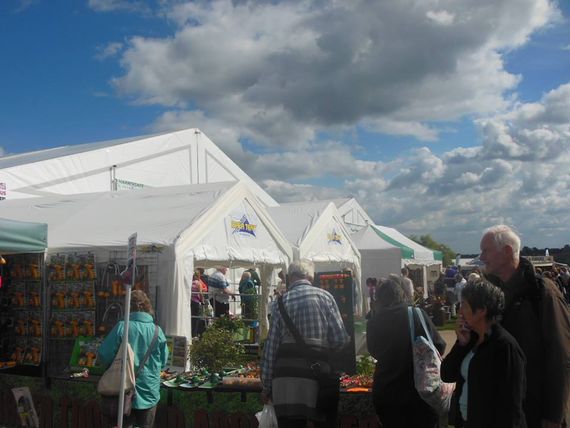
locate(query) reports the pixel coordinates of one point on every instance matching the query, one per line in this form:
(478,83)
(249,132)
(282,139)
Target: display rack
(72,279)
(21,311)
(86,301)
(110,289)
(341,286)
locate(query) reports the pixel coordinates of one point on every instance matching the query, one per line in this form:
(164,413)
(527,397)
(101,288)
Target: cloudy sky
(439,116)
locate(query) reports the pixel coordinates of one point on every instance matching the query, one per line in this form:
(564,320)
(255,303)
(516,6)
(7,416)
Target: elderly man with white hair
(536,315)
(306,329)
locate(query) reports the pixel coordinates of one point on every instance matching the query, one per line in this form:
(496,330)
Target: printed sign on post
(128,274)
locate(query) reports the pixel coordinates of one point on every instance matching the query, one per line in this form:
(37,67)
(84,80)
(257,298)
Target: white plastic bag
(267,417)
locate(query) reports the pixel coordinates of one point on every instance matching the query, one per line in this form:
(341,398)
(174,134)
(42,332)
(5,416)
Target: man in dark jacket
(536,315)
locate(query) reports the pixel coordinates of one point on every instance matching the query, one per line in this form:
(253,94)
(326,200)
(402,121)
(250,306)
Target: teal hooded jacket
(141,332)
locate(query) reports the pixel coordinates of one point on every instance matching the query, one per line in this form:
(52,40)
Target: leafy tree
(432,244)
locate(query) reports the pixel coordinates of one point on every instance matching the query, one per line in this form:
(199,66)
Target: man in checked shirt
(297,377)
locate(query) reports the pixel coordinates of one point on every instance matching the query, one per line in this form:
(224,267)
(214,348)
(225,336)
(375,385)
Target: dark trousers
(220,308)
(533,418)
(409,415)
(143,418)
(198,324)
(330,422)
(299,423)
(327,403)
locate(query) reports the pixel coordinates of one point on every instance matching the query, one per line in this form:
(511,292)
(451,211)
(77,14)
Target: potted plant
(234,325)
(216,349)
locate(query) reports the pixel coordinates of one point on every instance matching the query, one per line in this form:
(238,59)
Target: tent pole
(124,356)
(128,286)
(45,319)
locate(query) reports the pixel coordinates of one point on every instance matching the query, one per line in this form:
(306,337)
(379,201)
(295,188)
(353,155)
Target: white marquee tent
(207,224)
(413,252)
(352,213)
(414,255)
(378,257)
(317,233)
(169,159)
(356,218)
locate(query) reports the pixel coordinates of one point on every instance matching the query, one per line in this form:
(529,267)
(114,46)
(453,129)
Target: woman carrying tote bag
(394,394)
(141,334)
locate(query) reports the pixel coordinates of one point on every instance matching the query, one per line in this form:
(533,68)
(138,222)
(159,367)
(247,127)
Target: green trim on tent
(407,252)
(437,255)
(22,237)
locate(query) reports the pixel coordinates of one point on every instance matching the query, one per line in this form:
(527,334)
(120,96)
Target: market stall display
(84,355)
(72,279)
(21,320)
(86,301)
(22,294)
(340,285)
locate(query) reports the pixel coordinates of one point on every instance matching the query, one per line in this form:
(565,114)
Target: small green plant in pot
(365,365)
(234,325)
(215,350)
(229,323)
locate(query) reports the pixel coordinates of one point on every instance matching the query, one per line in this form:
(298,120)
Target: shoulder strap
(424,326)
(148,351)
(289,322)
(411,322)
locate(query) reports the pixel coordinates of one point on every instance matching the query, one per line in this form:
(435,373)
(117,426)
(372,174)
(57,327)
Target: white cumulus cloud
(298,81)
(329,65)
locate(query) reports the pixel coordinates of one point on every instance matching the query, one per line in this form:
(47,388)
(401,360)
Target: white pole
(425,280)
(131,255)
(124,356)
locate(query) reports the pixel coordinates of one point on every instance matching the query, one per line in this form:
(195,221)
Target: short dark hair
(390,292)
(481,294)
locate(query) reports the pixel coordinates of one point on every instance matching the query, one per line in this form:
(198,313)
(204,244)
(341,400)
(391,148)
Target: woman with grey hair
(486,363)
(394,395)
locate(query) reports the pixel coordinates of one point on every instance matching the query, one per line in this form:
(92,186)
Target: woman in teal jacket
(141,333)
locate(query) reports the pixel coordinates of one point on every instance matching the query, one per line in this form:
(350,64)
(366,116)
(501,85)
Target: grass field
(449,325)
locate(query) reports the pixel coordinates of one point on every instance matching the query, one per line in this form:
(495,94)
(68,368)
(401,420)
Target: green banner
(407,252)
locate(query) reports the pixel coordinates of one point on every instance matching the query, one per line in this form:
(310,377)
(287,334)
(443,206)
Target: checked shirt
(315,314)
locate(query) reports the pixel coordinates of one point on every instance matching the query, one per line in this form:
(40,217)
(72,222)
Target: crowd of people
(510,363)
(211,296)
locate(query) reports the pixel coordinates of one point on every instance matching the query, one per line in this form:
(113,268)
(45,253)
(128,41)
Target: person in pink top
(198,298)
